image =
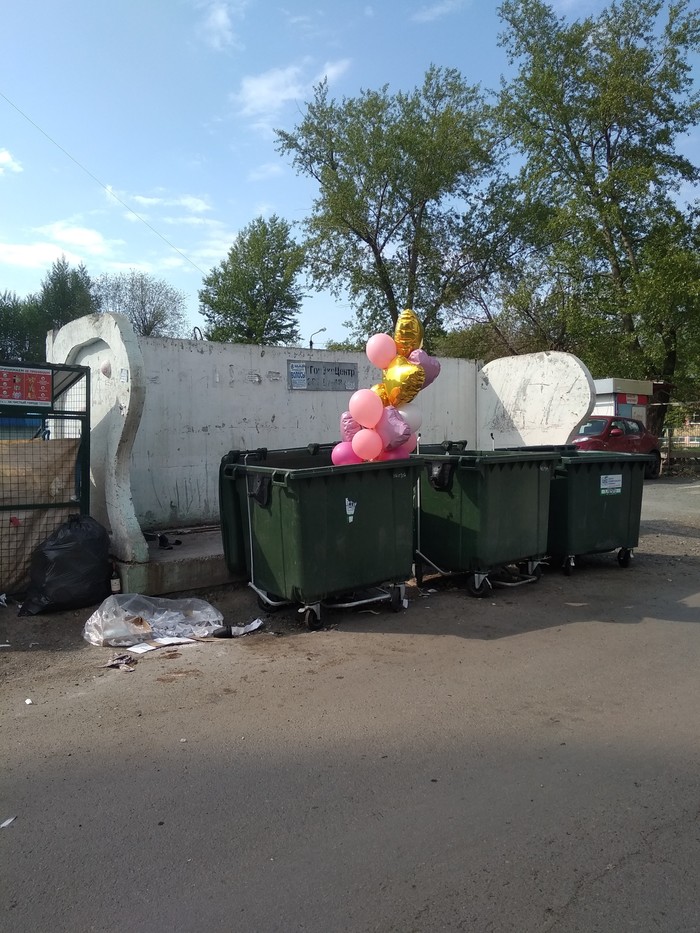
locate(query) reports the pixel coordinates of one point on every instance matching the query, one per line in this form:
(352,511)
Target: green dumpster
(309,532)
(230,511)
(480,511)
(595,505)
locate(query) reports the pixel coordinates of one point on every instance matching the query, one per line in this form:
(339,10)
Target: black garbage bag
(70,569)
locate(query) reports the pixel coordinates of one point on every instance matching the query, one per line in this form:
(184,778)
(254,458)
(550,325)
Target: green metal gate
(44,458)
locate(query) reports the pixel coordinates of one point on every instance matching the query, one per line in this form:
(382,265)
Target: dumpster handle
(440,474)
(277,481)
(250,540)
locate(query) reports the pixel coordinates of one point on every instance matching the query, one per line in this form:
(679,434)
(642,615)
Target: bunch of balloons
(382,423)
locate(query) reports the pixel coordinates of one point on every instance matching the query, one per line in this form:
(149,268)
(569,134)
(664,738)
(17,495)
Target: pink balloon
(392,428)
(343,454)
(367,444)
(410,444)
(381,350)
(348,426)
(430,364)
(366,407)
(405,450)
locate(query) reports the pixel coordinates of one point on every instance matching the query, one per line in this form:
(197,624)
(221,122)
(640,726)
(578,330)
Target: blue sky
(145,137)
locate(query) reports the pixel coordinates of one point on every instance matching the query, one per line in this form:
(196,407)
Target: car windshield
(591,428)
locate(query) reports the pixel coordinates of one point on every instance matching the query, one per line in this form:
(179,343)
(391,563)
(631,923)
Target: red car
(622,435)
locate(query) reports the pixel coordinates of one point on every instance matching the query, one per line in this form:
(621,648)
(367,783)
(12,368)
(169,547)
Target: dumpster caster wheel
(312,620)
(477,590)
(266,607)
(526,569)
(623,557)
(396,599)
(568,566)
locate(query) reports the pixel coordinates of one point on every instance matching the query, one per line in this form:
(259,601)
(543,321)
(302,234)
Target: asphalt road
(525,762)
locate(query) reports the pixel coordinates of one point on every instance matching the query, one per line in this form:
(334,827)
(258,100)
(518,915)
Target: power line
(102,184)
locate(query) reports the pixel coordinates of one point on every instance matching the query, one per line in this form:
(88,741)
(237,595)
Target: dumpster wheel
(568,565)
(274,606)
(478,589)
(530,568)
(623,557)
(312,619)
(396,598)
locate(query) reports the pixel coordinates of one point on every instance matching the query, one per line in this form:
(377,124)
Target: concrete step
(197,562)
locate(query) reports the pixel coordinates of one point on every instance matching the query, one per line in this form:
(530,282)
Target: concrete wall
(204,399)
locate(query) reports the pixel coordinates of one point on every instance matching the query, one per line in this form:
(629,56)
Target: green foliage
(154,307)
(253,295)
(594,112)
(400,179)
(346,346)
(16,329)
(65,295)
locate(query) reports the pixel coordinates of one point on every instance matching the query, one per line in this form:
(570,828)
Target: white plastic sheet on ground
(127,619)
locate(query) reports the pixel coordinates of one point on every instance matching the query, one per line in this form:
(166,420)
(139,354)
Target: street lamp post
(311,338)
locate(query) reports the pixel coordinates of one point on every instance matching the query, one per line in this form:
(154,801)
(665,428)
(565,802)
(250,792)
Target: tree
(400,181)
(595,111)
(154,307)
(66,294)
(253,295)
(15,338)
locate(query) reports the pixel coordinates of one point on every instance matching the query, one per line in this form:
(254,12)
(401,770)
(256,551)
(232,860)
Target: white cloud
(173,262)
(192,203)
(263,209)
(261,97)
(211,252)
(333,70)
(187,202)
(8,163)
(309,28)
(268,170)
(65,233)
(35,255)
(189,221)
(266,93)
(216,28)
(427,14)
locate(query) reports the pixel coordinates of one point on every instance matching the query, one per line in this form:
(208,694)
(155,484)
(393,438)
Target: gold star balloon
(403,380)
(408,333)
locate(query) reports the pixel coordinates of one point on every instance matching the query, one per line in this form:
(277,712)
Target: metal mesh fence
(44,459)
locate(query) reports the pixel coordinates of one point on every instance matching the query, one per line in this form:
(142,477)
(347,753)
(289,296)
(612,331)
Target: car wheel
(653,467)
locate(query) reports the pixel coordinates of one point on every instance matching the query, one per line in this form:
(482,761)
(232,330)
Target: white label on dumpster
(350,507)
(611,484)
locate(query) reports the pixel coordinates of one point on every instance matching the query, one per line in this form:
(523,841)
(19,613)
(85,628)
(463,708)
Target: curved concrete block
(536,398)
(108,345)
